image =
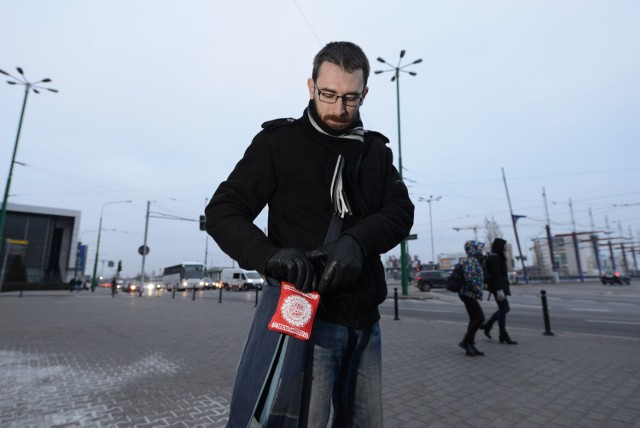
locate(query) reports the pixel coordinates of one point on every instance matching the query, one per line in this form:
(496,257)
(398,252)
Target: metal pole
(403,244)
(548,229)
(576,247)
(433,253)
(545,314)
(94,281)
(3,213)
(144,247)
(95,262)
(396,76)
(395,304)
(206,244)
(515,230)
(36,87)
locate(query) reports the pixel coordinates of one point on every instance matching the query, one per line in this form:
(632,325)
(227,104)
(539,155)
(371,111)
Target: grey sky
(159,99)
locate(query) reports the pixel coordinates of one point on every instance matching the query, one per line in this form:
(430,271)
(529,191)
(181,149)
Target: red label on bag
(295,312)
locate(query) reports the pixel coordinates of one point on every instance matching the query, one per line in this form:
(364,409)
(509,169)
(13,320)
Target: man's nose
(339,107)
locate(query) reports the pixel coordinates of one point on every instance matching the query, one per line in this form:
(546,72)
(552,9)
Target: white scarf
(338,196)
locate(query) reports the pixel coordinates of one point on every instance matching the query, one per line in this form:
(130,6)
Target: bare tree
(492,230)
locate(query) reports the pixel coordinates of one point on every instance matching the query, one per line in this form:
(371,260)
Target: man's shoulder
(375,136)
(272,125)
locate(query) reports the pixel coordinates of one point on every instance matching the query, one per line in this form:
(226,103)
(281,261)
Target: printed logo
(296,310)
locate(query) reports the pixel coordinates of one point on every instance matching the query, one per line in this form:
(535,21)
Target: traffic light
(119,265)
(203,222)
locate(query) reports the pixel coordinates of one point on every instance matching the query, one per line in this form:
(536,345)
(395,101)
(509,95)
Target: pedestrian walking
(498,285)
(471,295)
(336,203)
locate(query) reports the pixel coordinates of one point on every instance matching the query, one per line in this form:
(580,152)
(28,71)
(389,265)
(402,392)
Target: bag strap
(335,228)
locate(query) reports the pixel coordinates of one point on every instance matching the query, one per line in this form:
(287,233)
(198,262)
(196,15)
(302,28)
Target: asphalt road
(587,308)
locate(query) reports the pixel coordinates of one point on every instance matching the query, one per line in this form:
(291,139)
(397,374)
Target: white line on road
(614,322)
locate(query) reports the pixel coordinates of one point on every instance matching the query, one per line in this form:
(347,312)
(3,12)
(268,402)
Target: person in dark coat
(471,295)
(336,203)
(498,286)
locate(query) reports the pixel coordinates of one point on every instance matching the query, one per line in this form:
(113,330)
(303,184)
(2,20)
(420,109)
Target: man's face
(333,81)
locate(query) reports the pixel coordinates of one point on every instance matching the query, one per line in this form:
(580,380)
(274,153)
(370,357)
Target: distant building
(50,234)
(449,260)
(593,255)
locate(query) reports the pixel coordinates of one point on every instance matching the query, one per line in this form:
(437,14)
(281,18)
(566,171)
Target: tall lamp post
(94,281)
(28,86)
(431,199)
(396,77)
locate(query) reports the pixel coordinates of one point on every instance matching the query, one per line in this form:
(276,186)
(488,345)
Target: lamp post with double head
(396,78)
(28,86)
(94,280)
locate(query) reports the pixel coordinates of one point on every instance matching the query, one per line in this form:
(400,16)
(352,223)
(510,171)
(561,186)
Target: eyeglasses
(331,98)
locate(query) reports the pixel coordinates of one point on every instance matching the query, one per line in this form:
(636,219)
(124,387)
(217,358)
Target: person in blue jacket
(471,295)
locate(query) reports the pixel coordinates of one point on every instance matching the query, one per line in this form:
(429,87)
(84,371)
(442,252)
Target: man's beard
(338,122)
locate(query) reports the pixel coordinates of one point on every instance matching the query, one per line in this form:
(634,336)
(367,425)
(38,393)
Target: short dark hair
(347,55)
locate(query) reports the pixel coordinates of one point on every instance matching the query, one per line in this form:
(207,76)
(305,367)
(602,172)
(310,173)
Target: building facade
(48,236)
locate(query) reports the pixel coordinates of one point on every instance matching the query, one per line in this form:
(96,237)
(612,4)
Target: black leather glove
(291,265)
(343,260)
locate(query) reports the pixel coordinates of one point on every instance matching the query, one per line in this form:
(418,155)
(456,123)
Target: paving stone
(90,360)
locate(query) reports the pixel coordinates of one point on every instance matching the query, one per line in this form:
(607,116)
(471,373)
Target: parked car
(614,278)
(427,279)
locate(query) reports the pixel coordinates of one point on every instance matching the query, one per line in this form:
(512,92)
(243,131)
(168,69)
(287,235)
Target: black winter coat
(497,273)
(289,167)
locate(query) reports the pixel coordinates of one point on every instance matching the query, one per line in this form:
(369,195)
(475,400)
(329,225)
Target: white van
(240,279)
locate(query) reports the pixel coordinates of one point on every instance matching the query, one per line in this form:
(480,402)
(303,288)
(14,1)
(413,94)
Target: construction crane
(474,227)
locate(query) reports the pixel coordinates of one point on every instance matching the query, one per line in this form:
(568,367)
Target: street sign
(412,237)
(143,250)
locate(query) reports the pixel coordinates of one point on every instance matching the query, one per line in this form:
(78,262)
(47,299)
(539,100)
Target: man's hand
(342,262)
(291,265)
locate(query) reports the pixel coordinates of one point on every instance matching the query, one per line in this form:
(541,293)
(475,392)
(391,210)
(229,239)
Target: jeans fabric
(476,317)
(346,369)
(500,315)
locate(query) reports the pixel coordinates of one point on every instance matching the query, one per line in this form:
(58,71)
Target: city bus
(183,276)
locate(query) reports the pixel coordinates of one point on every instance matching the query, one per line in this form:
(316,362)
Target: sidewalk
(86,359)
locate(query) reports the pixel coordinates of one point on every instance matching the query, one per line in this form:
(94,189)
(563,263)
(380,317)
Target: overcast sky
(159,99)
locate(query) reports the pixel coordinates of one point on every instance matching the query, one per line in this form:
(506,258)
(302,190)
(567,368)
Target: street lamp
(431,199)
(79,245)
(396,77)
(94,281)
(35,87)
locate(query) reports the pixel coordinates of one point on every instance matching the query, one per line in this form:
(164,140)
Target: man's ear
(365,91)
(312,88)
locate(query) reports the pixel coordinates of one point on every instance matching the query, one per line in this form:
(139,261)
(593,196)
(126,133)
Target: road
(589,308)
(585,308)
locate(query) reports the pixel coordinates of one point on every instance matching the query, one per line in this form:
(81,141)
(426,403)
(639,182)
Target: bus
(183,276)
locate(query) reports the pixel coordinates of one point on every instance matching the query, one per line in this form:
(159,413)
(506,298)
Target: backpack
(456,279)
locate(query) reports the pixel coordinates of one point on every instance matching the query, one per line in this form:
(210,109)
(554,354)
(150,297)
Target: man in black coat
(336,203)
